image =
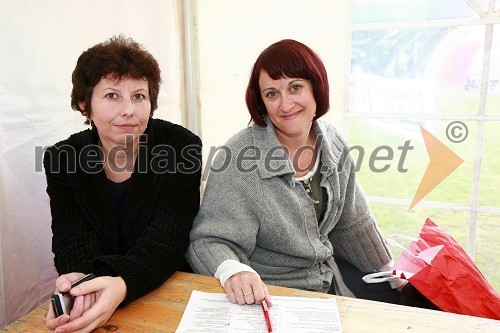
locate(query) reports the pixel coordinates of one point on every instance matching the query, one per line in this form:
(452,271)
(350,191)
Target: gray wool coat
(253,212)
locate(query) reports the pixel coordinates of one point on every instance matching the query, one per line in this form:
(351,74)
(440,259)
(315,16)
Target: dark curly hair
(118,57)
(292,59)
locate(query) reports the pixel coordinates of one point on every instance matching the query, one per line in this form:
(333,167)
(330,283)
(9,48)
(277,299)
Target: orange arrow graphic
(443,161)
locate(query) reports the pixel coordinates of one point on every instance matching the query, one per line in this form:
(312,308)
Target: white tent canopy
(41,41)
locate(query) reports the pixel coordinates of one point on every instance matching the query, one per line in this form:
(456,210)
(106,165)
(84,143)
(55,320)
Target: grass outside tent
(455,189)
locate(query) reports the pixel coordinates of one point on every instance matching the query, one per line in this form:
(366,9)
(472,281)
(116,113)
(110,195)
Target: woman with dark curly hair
(123,193)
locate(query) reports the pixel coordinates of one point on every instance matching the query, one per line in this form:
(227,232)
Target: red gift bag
(437,266)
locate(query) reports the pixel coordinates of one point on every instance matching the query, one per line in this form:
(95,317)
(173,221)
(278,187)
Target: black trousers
(381,292)
(352,277)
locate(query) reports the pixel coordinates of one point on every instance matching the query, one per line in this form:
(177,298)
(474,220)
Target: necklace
(308,179)
(309,147)
(307,185)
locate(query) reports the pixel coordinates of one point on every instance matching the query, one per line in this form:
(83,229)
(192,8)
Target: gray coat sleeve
(225,228)
(356,238)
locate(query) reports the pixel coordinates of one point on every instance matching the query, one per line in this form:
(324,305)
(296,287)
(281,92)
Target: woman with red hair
(282,205)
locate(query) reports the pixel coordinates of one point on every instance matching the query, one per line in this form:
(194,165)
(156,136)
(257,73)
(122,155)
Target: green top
(316,192)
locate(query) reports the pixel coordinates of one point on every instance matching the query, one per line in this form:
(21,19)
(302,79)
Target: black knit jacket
(162,201)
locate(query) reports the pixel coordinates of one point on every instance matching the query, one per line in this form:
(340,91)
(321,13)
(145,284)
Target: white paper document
(214,313)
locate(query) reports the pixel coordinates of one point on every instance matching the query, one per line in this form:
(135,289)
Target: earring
(90,124)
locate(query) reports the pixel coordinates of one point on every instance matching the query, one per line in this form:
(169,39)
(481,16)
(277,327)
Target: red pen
(266,316)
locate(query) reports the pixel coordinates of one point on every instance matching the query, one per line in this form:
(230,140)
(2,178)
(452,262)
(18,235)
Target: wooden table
(161,311)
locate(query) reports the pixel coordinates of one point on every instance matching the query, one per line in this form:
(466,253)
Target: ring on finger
(248,293)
